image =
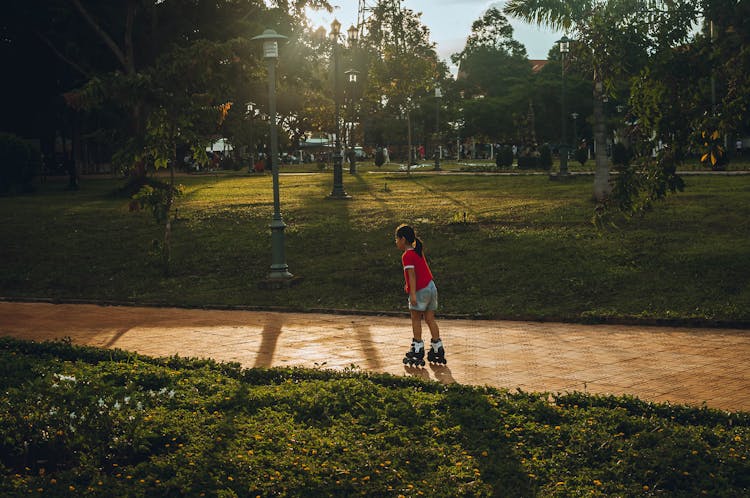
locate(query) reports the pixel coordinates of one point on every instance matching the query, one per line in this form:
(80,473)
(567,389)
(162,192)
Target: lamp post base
(279,268)
(563,174)
(560,176)
(338,191)
(271,283)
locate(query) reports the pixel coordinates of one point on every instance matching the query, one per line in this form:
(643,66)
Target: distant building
(537,64)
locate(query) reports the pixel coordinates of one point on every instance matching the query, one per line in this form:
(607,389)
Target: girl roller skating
(423,298)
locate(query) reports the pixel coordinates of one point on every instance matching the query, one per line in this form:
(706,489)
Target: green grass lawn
(499,246)
(92,422)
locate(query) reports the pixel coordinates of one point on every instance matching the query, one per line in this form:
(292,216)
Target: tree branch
(62,56)
(104,36)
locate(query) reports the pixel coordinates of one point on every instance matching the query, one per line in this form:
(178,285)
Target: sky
(449,22)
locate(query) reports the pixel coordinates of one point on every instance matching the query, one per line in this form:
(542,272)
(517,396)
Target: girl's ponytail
(410,235)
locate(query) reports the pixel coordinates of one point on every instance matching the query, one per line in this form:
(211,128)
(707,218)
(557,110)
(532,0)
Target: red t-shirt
(410,259)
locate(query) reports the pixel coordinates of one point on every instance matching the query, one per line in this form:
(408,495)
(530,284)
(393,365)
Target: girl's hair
(410,235)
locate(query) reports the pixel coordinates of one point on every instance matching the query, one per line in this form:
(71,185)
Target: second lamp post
(564,43)
(279,269)
(338,191)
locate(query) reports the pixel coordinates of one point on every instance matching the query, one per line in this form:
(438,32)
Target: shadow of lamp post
(279,269)
(564,44)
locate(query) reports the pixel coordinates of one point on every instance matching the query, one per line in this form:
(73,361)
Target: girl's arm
(412,285)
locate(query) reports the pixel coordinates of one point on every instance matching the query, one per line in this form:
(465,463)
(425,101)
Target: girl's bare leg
(429,317)
(416,324)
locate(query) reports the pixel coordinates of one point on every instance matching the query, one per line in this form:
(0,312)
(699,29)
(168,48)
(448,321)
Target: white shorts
(427,298)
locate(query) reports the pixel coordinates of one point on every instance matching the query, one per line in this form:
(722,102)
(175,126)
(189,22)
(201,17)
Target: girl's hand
(413,299)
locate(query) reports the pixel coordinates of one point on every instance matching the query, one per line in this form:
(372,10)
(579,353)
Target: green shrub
(528,162)
(19,163)
(504,157)
(545,157)
(581,155)
(379,157)
(621,155)
(82,421)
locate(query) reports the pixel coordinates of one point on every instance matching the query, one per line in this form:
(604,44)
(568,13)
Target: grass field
(499,246)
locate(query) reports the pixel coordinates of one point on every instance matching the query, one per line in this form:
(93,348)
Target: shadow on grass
(481,436)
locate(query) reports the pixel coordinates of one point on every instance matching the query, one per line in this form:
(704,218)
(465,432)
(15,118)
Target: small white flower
(116,406)
(72,415)
(127,399)
(101,403)
(139,405)
(171,393)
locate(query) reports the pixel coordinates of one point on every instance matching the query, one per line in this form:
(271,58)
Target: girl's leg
(416,324)
(429,317)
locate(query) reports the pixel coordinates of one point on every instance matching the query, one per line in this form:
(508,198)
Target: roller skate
(415,355)
(436,354)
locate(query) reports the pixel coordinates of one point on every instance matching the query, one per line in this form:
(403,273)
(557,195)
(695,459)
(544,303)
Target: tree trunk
(167,247)
(408,139)
(602,188)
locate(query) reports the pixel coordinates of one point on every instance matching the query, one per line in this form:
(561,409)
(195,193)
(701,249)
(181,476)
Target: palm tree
(577,17)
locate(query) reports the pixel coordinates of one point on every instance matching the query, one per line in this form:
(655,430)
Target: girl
(423,297)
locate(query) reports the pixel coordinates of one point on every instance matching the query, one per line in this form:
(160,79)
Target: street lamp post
(564,43)
(279,269)
(438,96)
(338,191)
(250,113)
(574,115)
(352,76)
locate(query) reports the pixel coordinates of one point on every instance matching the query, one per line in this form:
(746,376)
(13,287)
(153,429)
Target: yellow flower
(645,487)
(597,482)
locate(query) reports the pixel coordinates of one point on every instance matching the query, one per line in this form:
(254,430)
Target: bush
(85,421)
(545,157)
(379,157)
(621,155)
(581,155)
(528,162)
(504,157)
(19,163)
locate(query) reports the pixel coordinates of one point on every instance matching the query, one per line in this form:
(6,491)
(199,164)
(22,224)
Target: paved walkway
(654,363)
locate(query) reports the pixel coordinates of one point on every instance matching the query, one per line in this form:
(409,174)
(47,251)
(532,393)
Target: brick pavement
(679,365)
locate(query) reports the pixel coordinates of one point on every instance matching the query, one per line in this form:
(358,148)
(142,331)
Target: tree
(403,68)
(614,39)
(171,70)
(494,76)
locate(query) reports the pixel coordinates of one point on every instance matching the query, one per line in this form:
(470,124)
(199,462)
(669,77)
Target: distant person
(423,298)
(738,147)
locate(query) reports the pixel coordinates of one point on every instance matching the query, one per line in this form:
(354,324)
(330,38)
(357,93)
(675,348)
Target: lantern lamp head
(564,43)
(270,39)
